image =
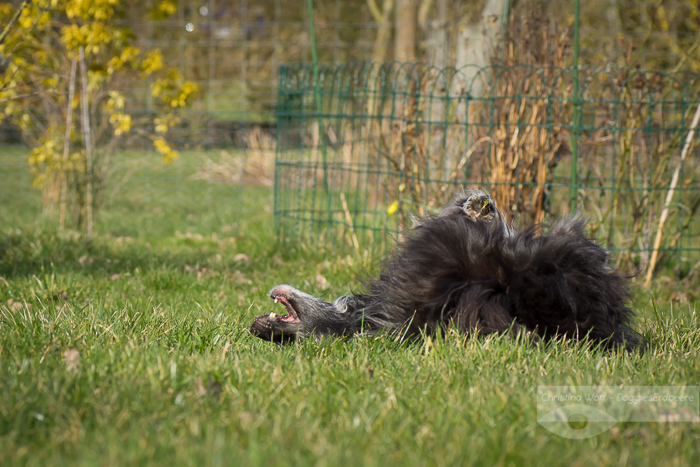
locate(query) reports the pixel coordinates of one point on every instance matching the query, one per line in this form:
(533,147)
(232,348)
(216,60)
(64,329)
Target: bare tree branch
(423,12)
(36,21)
(376,12)
(13,21)
(383,28)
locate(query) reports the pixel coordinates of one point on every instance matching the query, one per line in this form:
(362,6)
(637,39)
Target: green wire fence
(397,140)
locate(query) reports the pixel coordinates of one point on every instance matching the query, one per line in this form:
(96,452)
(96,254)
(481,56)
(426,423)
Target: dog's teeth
(272,314)
(276,300)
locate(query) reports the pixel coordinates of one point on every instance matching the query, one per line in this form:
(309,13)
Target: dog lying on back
(467,268)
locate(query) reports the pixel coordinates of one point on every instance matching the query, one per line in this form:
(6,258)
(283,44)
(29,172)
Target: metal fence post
(577,112)
(319,107)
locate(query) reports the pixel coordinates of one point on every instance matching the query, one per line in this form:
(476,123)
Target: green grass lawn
(132,349)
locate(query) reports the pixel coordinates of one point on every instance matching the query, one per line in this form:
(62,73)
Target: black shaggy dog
(469,269)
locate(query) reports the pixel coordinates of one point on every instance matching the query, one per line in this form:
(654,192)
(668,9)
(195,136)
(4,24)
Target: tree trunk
(405,38)
(477,44)
(441,52)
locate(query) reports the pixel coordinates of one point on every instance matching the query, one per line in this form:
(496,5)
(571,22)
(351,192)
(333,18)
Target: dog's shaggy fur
(467,268)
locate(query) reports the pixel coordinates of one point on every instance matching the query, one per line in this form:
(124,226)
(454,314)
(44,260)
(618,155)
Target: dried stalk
(348,221)
(669,198)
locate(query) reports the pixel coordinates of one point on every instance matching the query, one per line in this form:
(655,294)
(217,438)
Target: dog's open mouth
(292,316)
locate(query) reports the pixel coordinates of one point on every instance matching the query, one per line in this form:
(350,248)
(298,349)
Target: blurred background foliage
(232,49)
(203,75)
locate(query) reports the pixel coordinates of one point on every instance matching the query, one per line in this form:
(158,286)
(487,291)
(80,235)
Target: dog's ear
(416,221)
